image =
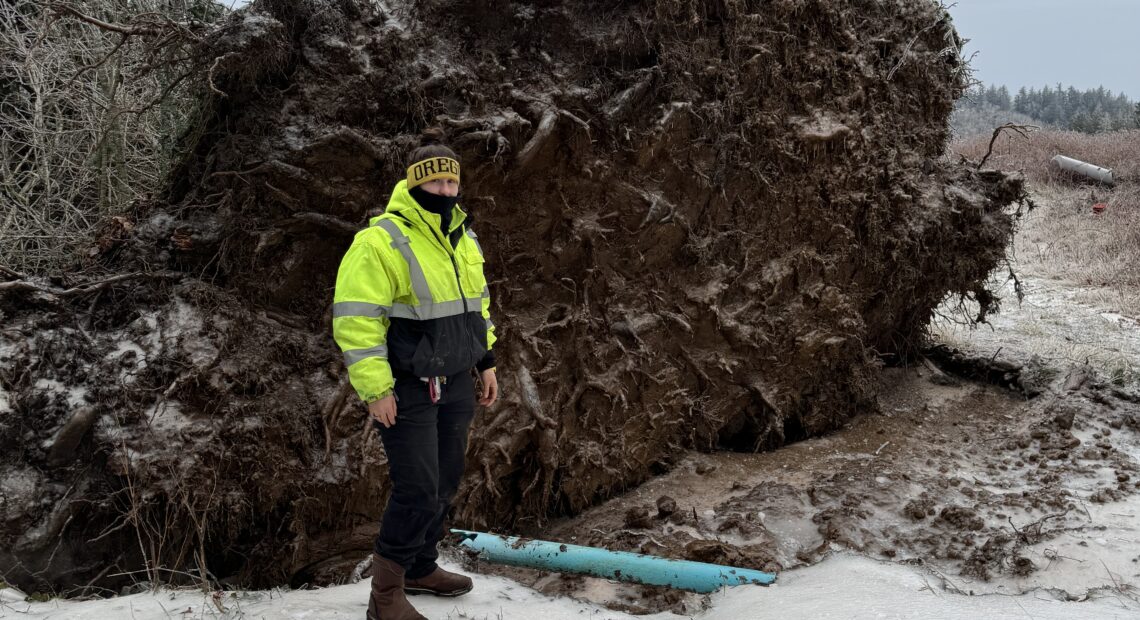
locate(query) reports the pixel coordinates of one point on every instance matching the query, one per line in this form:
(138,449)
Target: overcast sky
(1083,43)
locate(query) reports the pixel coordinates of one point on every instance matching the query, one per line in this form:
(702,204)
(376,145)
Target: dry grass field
(1119,150)
(1064,238)
(1079,269)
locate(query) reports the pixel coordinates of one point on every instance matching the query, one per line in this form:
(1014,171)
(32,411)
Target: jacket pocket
(473,278)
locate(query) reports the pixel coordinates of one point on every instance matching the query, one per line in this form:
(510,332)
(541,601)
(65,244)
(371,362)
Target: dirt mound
(705,222)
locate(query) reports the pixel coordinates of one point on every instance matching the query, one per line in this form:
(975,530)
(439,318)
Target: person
(411,316)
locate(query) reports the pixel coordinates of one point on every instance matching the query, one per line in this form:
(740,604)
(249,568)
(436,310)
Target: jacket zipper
(451,255)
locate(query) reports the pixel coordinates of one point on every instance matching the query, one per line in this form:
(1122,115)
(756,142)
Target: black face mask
(439,205)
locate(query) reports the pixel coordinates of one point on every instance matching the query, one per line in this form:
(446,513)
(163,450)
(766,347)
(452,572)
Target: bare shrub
(89,116)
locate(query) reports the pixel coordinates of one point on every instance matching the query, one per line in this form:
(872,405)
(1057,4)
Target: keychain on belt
(434,387)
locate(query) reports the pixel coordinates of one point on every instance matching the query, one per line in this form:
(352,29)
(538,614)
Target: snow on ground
(843,586)
(1063,323)
(7,350)
(76,396)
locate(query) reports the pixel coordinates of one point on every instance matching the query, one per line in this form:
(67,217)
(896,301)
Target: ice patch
(295,138)
(167,418)
(15,485)
(135,346)
(127,346)
(146,329)
(132,360)
(75,395)
(335,470)
(7,350)
(20,482)
(184,322)
(393,19)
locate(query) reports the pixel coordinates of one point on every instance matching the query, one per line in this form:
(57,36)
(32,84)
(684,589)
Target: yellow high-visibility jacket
(408,298)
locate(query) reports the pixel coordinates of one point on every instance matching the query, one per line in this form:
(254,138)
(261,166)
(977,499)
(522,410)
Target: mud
(705,224)
(986,491)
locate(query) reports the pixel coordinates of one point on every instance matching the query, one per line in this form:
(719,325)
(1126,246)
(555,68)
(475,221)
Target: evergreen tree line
(1089,111)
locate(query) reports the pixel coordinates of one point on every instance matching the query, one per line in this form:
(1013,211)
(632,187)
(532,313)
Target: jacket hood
(402,204)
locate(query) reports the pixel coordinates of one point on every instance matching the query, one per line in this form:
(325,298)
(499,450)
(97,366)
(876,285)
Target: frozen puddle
(842,586)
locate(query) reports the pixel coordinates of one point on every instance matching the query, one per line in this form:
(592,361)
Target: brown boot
(439,583)
(388,601)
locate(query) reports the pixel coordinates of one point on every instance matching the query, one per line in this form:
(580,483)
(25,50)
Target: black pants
(425,449)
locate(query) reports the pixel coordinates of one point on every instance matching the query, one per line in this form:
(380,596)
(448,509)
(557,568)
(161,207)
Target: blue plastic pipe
(619,565)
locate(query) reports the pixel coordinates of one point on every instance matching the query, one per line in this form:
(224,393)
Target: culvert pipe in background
(619,565)
(1104,175)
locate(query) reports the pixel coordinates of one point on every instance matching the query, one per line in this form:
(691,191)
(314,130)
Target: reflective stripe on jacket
(410,299)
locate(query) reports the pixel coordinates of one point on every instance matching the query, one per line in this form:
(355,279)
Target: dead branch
(11,273)
(324,220)
(160,98)
(210,74)
(1033,529)
(1018,288)
(332,409)
(126,31)
(541,136)
(1021,130)
(100,63)
(281,169)
(157,25)
(934,370)
(23,285)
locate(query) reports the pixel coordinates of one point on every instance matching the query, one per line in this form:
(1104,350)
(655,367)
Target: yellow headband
(431,169)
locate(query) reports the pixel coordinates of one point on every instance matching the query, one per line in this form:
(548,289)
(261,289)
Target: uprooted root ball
(704,222)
